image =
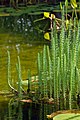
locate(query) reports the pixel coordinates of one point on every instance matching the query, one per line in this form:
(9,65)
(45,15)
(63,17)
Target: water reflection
(15,110)
(2,110)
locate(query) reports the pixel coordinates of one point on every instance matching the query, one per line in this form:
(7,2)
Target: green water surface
(18,46)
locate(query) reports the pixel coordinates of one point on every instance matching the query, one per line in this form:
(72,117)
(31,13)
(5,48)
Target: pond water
(22,46)
(22,37)
(17,111)
(17,46)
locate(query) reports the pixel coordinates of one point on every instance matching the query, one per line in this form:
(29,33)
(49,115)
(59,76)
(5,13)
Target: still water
(27,50)
(18,47)
(18,111)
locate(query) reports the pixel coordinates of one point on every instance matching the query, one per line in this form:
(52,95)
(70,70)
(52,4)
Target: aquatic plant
(9,78)
(40,73)
(18,65)
(59,69)
(29,81)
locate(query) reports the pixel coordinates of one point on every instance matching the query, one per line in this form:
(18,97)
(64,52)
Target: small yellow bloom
(46,14)
(47,36)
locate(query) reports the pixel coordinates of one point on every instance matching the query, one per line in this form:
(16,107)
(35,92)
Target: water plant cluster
(58,76)
(58,67)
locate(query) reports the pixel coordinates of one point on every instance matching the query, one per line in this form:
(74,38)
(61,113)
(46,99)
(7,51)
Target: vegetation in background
(57,17)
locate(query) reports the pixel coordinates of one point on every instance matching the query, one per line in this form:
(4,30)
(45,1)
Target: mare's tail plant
(18,65)
(9,78)
(58,68)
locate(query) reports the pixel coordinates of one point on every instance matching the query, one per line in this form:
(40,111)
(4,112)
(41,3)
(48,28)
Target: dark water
(14,110)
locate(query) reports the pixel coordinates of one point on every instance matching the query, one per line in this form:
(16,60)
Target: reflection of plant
(14,107)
